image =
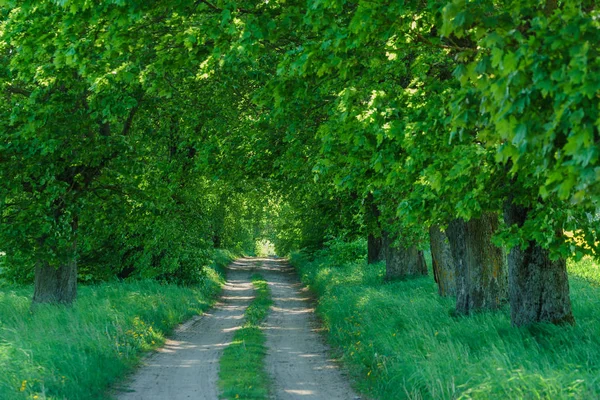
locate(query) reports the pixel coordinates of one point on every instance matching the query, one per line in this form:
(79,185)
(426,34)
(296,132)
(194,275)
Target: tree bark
(375,250)
(443,262)
(539,286)
(481,273)
(402,262)
(55,285)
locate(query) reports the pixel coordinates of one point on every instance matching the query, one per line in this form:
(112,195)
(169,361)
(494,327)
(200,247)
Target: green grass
(79,352)
(242,373)
(399,340)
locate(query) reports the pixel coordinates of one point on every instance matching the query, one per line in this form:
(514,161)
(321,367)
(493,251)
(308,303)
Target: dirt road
(297,360)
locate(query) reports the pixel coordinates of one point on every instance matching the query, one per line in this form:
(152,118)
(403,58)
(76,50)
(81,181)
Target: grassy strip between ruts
(242,372)
(399,339)
(79,352)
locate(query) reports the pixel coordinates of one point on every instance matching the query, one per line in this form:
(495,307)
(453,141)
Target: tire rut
(298,359)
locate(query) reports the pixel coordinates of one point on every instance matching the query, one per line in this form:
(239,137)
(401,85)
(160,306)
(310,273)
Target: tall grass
(80,351)
(400,340)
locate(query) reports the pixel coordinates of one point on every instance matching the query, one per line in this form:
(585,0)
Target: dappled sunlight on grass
(586,269)
(401,339)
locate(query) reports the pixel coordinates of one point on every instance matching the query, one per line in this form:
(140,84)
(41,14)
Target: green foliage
(78,352)
(116,149)
(344,252)
(16,268)
(530,71)
(242,371)
(433,110)
(400,341)
(264,248)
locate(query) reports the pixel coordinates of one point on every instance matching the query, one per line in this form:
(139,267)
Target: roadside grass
(400,340)
(79,352)
(242,373)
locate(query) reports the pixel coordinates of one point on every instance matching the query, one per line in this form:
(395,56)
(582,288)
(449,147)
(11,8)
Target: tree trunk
(539,286)
(443,263)
(216,241)
(481,273)
(375,249)
(55,285)
(402,262)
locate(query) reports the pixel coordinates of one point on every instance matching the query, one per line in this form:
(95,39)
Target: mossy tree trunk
(539,286)
(481,273)
(443,262)
(402,262)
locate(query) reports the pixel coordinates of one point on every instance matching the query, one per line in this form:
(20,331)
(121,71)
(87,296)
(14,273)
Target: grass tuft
(400,341)
(242,373)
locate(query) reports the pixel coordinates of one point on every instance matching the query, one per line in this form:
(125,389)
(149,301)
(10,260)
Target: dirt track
(297,360)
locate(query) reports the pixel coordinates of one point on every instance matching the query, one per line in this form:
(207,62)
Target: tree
(402,261)
(528,89)
(481,274)
(444,267)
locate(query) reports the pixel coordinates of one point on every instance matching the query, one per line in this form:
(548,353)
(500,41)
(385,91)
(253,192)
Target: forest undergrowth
(400,339)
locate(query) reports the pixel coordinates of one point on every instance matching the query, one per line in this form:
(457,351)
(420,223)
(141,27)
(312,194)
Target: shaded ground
(297,360)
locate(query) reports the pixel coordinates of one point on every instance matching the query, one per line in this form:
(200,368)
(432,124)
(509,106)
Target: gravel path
(297,360)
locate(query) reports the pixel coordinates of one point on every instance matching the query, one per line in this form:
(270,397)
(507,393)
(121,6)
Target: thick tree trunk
(443,263)
(539,286)
(481,273)
(402,262)
(55,285)
(375,249)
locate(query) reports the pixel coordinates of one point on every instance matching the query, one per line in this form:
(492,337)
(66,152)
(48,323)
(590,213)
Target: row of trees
(475,122)
(471,123)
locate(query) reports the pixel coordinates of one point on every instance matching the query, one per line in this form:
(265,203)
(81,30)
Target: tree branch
(211,5)
(17,90)
(132,112)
